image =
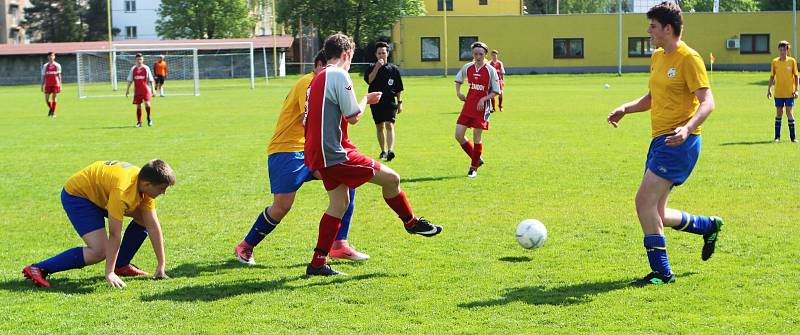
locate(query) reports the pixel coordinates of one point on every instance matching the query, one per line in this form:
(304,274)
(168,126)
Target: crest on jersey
(390,82)
(671,72)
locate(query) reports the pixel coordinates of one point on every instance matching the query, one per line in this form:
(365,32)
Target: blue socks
(134,236)
(695,224)
(656,246)
(791,129)
(344,229)
(263,225)
(777,127)
(70,259)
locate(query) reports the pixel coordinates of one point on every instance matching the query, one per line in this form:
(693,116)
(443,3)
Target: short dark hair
(667,13)
(784,44)
(139,55)
(51,54)
(336,44)
(157,172)
(480,45)
(320,58)
(382,45)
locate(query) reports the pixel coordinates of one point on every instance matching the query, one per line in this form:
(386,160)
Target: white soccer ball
(531,234)
(606,85)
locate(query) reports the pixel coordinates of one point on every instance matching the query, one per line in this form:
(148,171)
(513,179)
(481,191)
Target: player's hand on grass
(615,116)
(374,97)
(461,96)
(114,280)
(681,134)
(160,274)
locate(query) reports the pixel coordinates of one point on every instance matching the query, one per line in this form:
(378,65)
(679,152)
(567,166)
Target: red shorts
(139,98)
(471,120)
(52,89)
(356,171)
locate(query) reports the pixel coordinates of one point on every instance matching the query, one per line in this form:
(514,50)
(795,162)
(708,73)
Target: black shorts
(160,80)
(384,112)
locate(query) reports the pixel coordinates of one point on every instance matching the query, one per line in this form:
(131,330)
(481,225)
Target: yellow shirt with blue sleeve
(784,73)
(111,185)
(289,133)
(674,78)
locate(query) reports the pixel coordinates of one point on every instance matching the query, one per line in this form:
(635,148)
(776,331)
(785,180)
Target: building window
(483,2)
(754,44)
(130,5)
(567,48)
(430,48)
(130,32)
(440,6)
(639,47)
(464,50)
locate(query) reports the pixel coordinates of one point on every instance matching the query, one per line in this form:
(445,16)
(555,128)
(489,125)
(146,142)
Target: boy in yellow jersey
(680,100)
(110,189)
(784,77)
(287,173)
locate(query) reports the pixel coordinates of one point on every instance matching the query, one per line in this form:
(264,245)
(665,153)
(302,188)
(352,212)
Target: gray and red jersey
(331,101)
(140,77)
(481,82)
(51,73)
(498,66)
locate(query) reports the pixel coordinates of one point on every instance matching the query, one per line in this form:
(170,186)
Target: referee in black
(383,76)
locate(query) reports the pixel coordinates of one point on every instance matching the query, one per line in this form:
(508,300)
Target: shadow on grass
(109,127)
(515,259)
(424,179)
(556,296)
(59,285)
(747,143)
(214,292)
(760,83)
(194,270)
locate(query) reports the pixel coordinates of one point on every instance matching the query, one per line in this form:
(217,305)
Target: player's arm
(130,81)
(639,105)
(769,86)
(399,102)
(703,111)
(460,80)
(151,81)
(43,75)
(150,221)
(796,79)
(375,70)
(60,79)
(112,249)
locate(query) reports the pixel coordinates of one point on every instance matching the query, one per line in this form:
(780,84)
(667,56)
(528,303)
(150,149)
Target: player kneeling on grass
(110,189)
(332,105)
(680,100)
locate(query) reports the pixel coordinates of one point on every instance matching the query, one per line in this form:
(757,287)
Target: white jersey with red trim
(331,101)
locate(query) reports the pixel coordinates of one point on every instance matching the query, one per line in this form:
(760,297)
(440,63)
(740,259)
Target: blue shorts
(85,216)
(287,172)
(673,163)
(781,102)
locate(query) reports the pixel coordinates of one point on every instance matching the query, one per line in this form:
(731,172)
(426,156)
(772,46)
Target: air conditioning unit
(732,43)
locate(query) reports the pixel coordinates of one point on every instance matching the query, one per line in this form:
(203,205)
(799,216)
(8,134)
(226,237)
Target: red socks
(139,114)
(467,146)
(328,227)
(400,205)
(476,155)
(53,107)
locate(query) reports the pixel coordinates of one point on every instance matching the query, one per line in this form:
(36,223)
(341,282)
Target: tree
(775,5)
(724,5)
(574,6)
(54,20)
(96,20)
(204,19)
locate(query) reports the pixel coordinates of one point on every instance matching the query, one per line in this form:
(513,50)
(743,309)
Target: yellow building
(583,42)
(474,7)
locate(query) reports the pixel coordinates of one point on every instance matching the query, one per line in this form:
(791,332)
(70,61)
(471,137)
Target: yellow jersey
(673,80)
(111,185)
(784,73)
(289,133)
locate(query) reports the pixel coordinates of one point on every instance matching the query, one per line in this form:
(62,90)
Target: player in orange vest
(160,68)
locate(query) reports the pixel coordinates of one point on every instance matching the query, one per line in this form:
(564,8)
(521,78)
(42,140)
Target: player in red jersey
(51,82)
(501,72)
(483,86)
(143,81)
(330,106)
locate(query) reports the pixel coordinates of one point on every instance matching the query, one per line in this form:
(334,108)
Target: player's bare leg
(389,140)
(650,207)
(281,205)
(778,119)
(381,139)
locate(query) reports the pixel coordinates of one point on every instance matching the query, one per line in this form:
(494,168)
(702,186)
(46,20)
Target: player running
(784,77)
(142,79)
(51,83)
(287,173)
(484,85)
(331,106)
(160,68)
(385,77)
(111,189)
(501,72)
(680,98)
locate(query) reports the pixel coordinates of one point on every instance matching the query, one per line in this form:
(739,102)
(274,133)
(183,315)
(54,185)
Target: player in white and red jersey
(497,64)
(484,85)
(51,82)
(330,106)
(143,81)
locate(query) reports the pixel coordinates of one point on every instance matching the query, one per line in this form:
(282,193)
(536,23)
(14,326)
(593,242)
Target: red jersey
(331,100)
(481,82)
(51,74)
(140,77)
(498,66)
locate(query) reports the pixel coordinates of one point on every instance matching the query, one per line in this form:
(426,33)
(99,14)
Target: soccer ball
(531,234)
(606,85)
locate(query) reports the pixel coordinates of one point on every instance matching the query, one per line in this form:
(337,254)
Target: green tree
(96,21)
(204,19)
(574,6)
(54,20)
(775,5)
(724,5)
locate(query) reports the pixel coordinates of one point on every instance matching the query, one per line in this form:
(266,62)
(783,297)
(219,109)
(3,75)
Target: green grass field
(549,156)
